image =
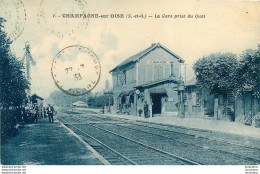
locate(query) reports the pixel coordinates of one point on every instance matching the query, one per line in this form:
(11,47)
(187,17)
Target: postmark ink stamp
(63,20)
(76,70)
(13,18)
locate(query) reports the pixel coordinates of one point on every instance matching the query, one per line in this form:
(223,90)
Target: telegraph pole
(28,61)
(185,72)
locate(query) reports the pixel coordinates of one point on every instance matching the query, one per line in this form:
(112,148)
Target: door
(247,108)
(157,103)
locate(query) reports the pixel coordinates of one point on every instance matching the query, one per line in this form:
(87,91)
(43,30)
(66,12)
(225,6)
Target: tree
(13,85)
(13,82)
(249,70)
(96,100)
(59,98)
(217,72)
(100,100)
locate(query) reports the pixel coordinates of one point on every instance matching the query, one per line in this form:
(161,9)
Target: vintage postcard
(128,82)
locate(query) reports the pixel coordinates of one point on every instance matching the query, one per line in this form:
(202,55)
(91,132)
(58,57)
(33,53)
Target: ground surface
(88,138)
(45,143)
(137,139)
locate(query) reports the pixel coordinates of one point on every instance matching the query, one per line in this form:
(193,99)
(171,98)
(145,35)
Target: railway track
(122,147)
(145,124)
(140,128)
(239,156)
(217,151)
(197,136)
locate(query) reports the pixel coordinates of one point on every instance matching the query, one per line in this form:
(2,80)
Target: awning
(126,93)
(158,90)
(122,94)
(130,92)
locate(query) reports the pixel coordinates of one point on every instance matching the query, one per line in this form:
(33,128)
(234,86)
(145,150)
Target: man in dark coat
(44,112)
(36,115)
(146,110)
(50,111)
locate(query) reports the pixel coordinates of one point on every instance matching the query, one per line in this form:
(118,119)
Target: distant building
(197,101)
(37,99)
(80,104)
(247,106)
(150,76)
(242,108)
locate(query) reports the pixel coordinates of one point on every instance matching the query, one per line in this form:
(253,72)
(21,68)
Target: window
(124,77)
(117,79)
(189,90)
(171,69)
(197,98)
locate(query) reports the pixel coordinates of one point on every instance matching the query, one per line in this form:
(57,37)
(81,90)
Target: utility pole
(28,61)
(185,72)
(181,89)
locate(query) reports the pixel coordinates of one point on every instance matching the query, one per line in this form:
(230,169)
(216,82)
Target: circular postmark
(76,70)
(12,18)
(64,17)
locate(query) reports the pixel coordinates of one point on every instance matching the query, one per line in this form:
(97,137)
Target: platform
(47,143)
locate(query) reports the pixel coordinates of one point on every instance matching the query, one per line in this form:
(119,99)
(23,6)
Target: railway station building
(242,108)
(198,102)
(149,76)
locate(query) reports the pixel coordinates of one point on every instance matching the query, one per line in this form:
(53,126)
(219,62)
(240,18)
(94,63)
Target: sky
(224,26)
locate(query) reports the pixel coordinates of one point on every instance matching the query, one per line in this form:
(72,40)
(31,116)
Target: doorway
(157,103)
(248,105)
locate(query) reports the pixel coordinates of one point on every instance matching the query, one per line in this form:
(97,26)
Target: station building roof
(141,54)
(191,82)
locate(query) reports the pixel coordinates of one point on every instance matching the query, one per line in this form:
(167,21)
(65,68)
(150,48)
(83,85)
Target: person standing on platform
(44,112)
(50,111)
(146,110)
(36,108)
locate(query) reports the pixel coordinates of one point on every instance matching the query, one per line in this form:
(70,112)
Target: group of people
(34,112)
(146,110)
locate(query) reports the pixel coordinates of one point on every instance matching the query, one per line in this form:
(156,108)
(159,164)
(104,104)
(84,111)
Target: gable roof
(139,55)
(191,82)
(36,96)
(79,103)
